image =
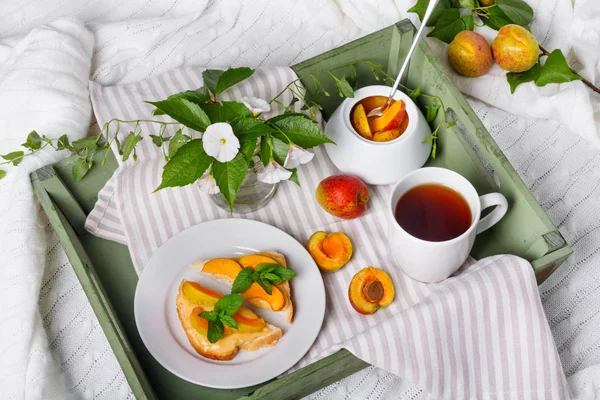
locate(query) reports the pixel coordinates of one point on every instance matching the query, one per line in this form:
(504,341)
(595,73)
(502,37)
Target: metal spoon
(378,112)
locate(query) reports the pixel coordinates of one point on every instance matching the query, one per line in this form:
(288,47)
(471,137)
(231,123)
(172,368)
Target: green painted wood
(109,280)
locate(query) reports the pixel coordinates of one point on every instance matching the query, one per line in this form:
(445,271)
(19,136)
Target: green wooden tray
(108,277)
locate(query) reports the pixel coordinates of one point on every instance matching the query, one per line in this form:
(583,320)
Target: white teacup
(434,261)
(377,163)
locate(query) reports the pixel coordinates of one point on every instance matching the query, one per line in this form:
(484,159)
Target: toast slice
(286,311)
(233,340)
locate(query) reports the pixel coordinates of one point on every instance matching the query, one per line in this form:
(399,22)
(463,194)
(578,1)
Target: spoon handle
(413,46)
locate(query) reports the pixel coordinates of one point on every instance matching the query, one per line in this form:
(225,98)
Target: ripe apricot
(256,296)
(330,251)
(370,290)
(469,54)
(391,118)
(386,136)
(360,122)
(515,49)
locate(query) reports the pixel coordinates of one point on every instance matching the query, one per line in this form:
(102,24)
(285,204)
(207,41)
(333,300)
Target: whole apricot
(469,54)
(344,196)
(515,49)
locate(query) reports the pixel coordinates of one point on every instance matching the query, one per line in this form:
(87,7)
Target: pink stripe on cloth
(480,334)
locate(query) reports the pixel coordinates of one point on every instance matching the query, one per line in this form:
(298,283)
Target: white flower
(296,156)
(273,173)
(220,142)
(208,184)
(255,104)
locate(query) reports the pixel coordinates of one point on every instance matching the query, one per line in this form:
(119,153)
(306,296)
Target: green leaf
(451,123)
(231,77)
(250,128)
(448,26)
(80,169)
(415,93)
(229,176)
(129,144)
(15,157)
(208,315)
(344,88)
(469,22)
(157,140)
(247,148)
(187,165)
(177,140)
(211,77)
(63,142)
(265,150)
(34,141)
(2,173)
(517,11)
(421,5)
(229,304)
(280,150)
(300,130)
(434,149)
(432,112)
(471,4)
(85,143)
(225,111)
(294,177)
(184,111)
(284,274)
(195,96)
(516,78)
(265,284)
(290,108)
(556,70)
(243,280)
(215,331)
(229,321)
(495,18)
(266,267)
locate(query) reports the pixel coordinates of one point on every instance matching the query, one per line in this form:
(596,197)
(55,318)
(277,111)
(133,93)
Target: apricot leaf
(517,11)
(448,26)
(229,176)
(469,22)
(556,70)
(187,165)
(495,18)
(516,78)
(421,5)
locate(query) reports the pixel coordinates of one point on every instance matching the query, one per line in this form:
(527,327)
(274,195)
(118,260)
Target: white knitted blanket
(52,345)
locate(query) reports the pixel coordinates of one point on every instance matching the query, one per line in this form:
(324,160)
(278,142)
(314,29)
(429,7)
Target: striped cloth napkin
(479,334)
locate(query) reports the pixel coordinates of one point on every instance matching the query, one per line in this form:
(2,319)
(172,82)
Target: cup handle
(490,200)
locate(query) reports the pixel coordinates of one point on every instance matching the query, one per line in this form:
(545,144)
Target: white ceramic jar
(377,163)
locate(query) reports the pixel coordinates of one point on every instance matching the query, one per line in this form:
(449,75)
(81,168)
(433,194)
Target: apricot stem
(585,81)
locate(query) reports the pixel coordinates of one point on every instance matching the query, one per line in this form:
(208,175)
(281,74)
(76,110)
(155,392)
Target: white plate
(156,315)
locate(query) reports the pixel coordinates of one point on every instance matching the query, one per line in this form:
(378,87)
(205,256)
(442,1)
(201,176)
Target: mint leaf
(283,273)
(448,26)
(184,111)
(208,315)
(129,144)
(280,150)
(300,130)
(243,280)
(80,169)
(421,5)
(34,141)
(265,150)
(231,77)
(265,267)
(63,142)
(177,140)
(469,22)
(344,88)
(265,284)
(186,166)
(229,304)
(516,78)
(495,18)
(517,11)
(2,173)
(229,176)
(211,77)
(225,111)
(294,177)
(250,128)
(215,331)
(228,320)
(15,157)
(247,148)
(556,70)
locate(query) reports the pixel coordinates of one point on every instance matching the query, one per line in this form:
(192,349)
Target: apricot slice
(360,122)
(256,296)
(372,102)
(200,295)
(386,136)
(370,290)
(248,321)
(198,323)
(253,260)
(222,266)
(391,118)
(330,251)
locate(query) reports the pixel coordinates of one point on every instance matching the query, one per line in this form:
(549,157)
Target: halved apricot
(256,295)
(252,260)
(360,122)
(222,266)
(370,290)
(200,295)
(386,136)
(330,251)
(391,118)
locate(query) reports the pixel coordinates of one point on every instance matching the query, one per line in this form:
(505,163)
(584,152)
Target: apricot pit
(370,290)
(330,251)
